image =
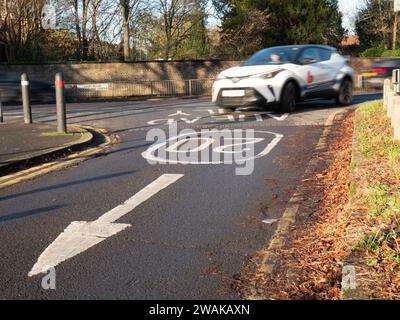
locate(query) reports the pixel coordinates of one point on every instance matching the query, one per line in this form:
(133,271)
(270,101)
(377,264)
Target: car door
(310,71)
(329,66)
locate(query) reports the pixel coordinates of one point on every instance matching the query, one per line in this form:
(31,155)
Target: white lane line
(79,236)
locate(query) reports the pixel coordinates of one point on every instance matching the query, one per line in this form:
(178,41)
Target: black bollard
(26,102)
(1,111)
(60,102)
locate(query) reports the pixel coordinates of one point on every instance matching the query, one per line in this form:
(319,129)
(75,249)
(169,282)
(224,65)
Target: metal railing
(365,85)
(151,88)
(166,88)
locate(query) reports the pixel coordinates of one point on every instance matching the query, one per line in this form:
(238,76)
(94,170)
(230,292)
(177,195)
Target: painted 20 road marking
(185,148)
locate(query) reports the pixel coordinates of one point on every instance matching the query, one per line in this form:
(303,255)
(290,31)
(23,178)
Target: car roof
(302,46)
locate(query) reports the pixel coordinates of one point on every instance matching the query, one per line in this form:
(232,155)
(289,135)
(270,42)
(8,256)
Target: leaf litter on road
(310,264)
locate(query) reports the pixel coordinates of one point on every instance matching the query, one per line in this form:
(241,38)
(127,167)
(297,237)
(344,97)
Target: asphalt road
(188,240)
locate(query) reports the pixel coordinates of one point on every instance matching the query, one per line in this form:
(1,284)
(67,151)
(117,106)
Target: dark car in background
(10,89)
(380,71)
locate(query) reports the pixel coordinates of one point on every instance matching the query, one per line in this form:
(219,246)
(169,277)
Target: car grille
(251,97)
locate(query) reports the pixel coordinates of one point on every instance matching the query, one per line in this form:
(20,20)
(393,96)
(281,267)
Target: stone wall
(86,73)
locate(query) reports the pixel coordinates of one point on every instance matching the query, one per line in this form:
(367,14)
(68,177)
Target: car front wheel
(289,97)
(345,96)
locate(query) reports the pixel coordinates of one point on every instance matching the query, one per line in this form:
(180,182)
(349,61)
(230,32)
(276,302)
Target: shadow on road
(28,213)
(64,185)
(323,104)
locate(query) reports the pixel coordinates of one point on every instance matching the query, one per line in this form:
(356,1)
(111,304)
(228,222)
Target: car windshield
(273,56)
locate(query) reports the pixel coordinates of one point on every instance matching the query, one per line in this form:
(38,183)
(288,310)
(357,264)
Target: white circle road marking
(149,154)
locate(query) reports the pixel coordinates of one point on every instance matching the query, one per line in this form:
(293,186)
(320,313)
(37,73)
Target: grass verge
(374,232)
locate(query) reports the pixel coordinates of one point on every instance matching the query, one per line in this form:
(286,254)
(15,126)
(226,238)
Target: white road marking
(161,122)
(175,147)
(210,111)
(179,113)
(280,118)
(79,236)
(224,117)
(269,221)
(150,153)
(218,115)
(188,121)
(258,117)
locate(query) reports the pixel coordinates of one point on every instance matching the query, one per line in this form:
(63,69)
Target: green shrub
(379,51)
(373,52)
(391,53)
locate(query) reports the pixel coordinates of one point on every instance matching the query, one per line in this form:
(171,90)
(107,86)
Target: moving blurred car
(285,75)
(380,71)
(10,89)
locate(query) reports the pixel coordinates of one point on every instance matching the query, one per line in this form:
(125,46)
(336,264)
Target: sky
(349,8)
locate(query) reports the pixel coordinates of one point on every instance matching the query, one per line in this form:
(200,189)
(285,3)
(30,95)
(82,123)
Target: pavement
(121,227)
(20,143)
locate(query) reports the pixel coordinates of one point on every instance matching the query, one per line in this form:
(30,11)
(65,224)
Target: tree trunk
(95,38)
(85,43)
(78,30)
(125,13)
(394,44)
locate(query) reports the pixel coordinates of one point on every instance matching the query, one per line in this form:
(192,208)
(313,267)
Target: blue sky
(349,8)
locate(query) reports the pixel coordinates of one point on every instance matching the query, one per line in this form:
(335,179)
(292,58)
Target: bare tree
(374,23)
(176,20)
(249,37)
(20,26)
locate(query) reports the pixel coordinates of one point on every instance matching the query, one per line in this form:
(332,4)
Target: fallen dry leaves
(309,266)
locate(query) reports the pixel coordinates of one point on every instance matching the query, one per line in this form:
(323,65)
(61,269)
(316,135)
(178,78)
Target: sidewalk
(20,143)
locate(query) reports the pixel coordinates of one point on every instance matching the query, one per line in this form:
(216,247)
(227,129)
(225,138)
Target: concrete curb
(348,269)
(269,256)
(105,144)
(85,138)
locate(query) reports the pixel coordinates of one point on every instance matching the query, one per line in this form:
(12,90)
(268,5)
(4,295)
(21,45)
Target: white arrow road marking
(80,235)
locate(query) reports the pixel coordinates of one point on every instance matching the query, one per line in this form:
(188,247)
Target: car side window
(325,54)
(309,56)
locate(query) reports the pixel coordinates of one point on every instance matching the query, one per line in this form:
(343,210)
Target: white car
(285,75)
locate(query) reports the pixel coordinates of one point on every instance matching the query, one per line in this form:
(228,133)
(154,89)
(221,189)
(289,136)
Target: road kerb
(86,137)
(58,164)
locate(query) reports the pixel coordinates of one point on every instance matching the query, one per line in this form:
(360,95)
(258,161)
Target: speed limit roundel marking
(236,145)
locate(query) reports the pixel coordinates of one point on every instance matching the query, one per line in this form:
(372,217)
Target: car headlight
(220,77)
(268,75)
